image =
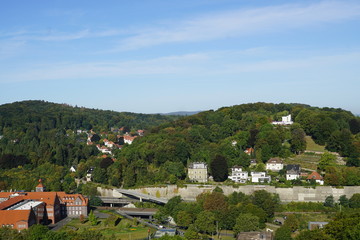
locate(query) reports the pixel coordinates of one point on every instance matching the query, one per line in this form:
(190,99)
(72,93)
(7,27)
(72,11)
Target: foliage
(246,223)
(283,233)
(205,222)
(92,218)
(329,201)
(219,168)
(354,201)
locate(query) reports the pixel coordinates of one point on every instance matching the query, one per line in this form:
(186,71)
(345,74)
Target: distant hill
(182,113)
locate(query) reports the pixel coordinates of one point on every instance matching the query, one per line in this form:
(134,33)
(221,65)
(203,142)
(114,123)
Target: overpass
(115,200)
(138,212)
(141,196)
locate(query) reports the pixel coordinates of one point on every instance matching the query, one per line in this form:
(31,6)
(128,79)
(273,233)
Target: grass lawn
(125,229)
(306,160)
(312,146)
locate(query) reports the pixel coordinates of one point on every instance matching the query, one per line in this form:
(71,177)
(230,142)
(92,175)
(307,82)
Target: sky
(164,56)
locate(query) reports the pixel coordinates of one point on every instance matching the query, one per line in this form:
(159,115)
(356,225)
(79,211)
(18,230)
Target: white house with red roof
(317,177)
(274,164)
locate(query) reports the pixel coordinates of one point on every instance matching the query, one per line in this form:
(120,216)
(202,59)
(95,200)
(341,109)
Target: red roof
(11,217)
(315,175)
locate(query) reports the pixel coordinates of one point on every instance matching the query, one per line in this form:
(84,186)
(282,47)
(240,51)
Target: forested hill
(220,138)
(39,131)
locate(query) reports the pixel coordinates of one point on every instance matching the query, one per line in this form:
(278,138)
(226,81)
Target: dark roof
(293,167)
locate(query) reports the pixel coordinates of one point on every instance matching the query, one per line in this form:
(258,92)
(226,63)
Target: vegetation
(37,136)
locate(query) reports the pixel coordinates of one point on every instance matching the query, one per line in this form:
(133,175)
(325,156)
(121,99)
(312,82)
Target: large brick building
(20,210)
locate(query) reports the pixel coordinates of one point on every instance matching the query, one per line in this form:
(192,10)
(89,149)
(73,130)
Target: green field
(308,161)
(125,229)
(312,146)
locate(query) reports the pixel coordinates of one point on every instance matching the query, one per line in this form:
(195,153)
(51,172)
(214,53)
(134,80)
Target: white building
(292,172)
(285,120)
(238,175)
(274,164)
(197,172)
(260,177)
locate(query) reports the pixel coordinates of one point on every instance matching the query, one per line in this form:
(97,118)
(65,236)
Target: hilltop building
(197,172)
(285,120)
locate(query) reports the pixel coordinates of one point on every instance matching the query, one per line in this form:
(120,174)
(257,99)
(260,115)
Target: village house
(249,151)
(317,177)
(292,172)
(238,175)
(274,164)
(260,177)
(197,172)
(129,139)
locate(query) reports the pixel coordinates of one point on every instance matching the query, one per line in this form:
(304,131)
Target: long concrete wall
(296,194)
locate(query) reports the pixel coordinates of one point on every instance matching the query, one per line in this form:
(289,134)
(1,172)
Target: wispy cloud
(189,65)
(242,22)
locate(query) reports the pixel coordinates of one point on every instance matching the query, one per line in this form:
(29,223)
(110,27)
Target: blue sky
(164,56)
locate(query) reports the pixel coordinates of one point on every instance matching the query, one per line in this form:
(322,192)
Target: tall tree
(219,168)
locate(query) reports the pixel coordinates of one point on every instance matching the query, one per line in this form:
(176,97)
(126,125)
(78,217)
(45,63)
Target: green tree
(205,222)
(329,201)
(326,159)
(283,233)
(344,201)
(246,223)
(37,232)
(184,219)
(354,201)
(219,168)
(92,218)
(298,141)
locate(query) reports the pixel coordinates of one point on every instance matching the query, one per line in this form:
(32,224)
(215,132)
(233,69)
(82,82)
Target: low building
(293,172)
(317,177)
(316,225)
(255,236)
(197,172)
(238,175)
(17,219)
(274,164)
(164,231)
(260,177)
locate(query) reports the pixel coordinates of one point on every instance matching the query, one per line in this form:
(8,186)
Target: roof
(8,217)
(70,198)
(315,175)
(47,197)
(11,202)
(293,167)
(275,160)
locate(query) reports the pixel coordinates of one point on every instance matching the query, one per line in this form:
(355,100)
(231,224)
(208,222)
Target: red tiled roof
(315,175)
(70,198)
(8,217)
(10,202)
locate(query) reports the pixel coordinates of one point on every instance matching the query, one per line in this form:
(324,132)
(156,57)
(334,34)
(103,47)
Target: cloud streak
(199,64)
(242,22)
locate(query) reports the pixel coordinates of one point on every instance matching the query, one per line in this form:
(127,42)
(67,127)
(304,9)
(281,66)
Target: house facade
(260,177)
(292,172)
(238,175)
(317,177)
(197,172)
(274,164)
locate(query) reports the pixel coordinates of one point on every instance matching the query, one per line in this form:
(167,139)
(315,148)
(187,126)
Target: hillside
(164,154)
(45,139)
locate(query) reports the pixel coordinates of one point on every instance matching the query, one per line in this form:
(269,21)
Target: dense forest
(220,137)
(39,139)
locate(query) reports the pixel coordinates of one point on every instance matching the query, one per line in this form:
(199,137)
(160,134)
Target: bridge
(141,196)
(138,212)
(119,201)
